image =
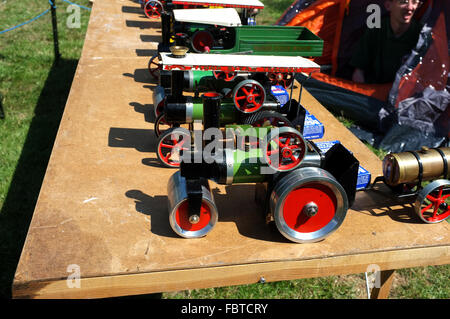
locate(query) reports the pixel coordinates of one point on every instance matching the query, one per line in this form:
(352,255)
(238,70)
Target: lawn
(35,90)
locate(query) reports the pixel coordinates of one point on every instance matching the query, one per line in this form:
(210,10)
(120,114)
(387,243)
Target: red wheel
(308,204)
(226,76)
(285,149)
(202,41)
(154,66)
(161,124)
(153,9)
(170,145)
(284,79)
(433,202)
(182,217)
(249,96)
(179,217)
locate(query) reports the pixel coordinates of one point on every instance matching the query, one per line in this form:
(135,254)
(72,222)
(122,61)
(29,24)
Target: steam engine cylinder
(410,167)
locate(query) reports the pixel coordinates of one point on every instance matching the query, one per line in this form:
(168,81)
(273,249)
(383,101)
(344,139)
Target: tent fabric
(360,108)
(423,111)
(377,91)
(428,64)
(324,18)
(375,107)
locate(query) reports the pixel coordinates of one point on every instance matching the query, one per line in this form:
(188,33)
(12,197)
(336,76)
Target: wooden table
(102,213)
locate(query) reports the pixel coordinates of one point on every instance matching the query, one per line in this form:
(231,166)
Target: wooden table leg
(386,278)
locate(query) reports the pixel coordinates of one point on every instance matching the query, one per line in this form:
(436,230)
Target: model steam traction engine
(406,174)
(247,99)
(220,31)
(153,9)
(308,192)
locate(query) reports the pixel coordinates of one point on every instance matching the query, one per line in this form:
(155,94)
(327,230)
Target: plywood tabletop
(103,202)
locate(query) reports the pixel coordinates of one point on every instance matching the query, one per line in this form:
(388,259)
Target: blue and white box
(364,175)
(313,128)
(280,94)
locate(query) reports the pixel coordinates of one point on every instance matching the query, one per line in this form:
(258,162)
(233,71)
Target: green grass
(272,11)
(35,92)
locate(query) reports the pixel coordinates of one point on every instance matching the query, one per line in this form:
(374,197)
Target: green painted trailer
(273,40)
(255,40)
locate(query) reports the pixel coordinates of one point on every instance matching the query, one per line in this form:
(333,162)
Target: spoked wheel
(267,118)
(284,79)
(263,119)
(202,41)
(161,125)
(249,96)
(154,66)
(433,202)
(308,204)
(179,218)
(170,145)
(284,149)
(158,107)
(226,76)
(153,9)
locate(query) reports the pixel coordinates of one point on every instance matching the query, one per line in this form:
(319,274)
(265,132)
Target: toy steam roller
(424,175)
(306,193)
(153,9)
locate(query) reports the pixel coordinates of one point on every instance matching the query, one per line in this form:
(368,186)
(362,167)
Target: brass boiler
(411,167)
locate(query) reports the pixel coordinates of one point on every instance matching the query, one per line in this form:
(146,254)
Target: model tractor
(247,103)
(306,193)
(423,176)
(153,9)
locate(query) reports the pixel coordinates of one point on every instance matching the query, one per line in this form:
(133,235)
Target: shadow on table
(141,76)
(144,24)
(246,215)
(146,110)
(237,204)
(151,38)
(156,208)
(141,139)
(380,201)
(18,207)
(136,10)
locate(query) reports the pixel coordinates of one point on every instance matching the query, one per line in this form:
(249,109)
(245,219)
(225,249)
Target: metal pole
(301,90)
(55,31)
(2,113)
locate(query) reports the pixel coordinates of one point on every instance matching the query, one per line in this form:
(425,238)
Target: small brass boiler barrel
(402,168)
